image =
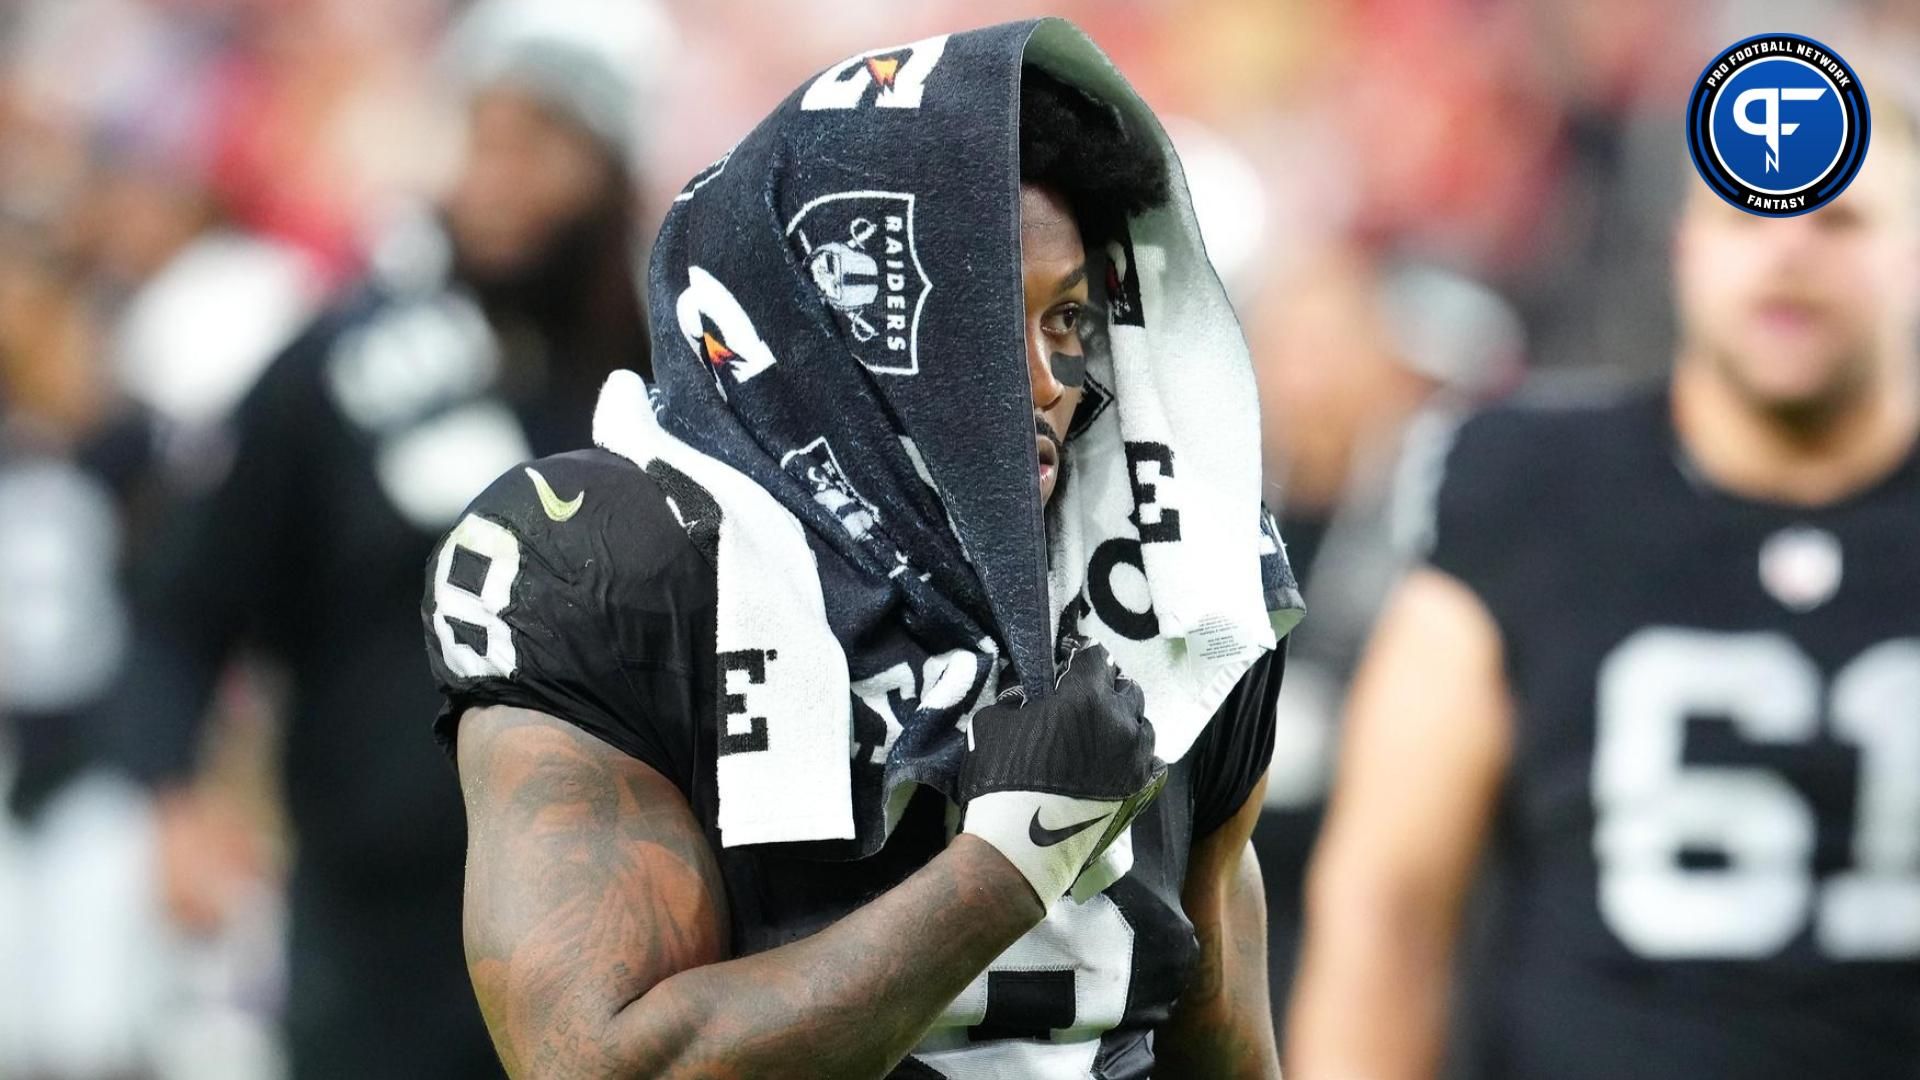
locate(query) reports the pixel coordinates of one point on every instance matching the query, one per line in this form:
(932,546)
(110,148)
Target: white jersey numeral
(457,608)
(1651,806)
(1070,975)
(1873,909)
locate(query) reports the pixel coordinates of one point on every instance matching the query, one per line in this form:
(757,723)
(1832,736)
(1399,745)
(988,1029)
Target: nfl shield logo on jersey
(1801,567)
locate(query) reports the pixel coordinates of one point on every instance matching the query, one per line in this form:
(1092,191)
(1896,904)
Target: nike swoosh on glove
(1052,783)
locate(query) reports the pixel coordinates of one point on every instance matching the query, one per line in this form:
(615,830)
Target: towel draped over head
(843,422)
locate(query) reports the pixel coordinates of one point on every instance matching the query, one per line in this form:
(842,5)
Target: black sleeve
(585,600)
(1489,501)
(1235,749)
(221,560)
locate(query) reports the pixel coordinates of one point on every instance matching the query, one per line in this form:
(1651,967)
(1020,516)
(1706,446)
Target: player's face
(528,175)
(1799,314)
(1053,268)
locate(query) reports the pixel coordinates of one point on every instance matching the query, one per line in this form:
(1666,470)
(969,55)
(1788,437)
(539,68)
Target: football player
(1662,665)
(465,350)
(609,929)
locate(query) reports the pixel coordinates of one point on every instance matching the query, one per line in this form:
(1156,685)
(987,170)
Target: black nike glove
(1051,783)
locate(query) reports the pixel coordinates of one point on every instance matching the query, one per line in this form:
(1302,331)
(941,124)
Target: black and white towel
(843,422)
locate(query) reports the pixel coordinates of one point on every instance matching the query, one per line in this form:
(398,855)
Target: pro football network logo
(1778,125)
(816,464)
(858,248)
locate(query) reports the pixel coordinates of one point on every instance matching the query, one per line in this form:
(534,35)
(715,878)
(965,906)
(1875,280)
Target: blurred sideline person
(79,971)
(1364,365)
(479,339)
(1662,665)
(132,300)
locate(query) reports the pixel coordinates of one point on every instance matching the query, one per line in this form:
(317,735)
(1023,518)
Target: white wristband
(1049,838)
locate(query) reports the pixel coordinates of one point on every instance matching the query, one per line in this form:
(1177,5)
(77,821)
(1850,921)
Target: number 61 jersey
(1708,850)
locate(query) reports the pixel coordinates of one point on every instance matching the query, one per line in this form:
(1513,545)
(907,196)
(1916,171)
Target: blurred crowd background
(1415,204)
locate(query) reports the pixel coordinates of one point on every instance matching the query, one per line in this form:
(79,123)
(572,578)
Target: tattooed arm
(1223,1025)
(596,928)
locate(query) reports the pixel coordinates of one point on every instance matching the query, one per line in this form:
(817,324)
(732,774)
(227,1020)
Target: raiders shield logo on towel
(816,464)
(858,248)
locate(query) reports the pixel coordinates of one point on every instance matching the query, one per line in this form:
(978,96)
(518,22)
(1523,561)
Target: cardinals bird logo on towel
(719,331)
(890,78)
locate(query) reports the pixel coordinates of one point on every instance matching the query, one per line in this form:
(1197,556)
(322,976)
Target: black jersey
(601,612)
(1709,843)
(358,446)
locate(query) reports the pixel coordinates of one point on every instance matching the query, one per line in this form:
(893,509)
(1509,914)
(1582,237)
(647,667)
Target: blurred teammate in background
(1663,656)
(1364,365)
(478,340)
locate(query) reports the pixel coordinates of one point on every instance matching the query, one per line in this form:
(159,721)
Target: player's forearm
(1371,997)
(850,1001)
(596,928)
(1224,1024)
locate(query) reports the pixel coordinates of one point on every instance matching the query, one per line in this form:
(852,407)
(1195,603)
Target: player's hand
(1051,783)
(211,857)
